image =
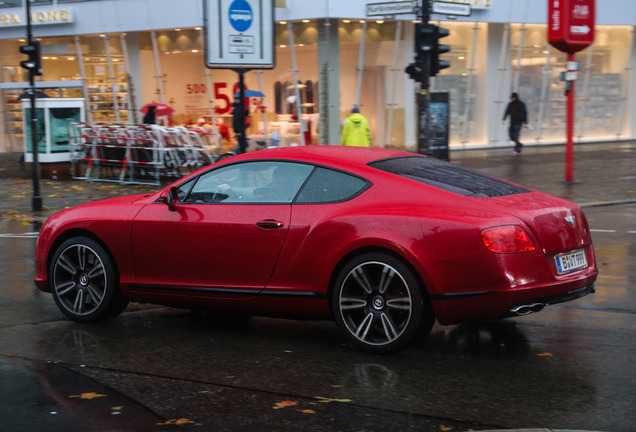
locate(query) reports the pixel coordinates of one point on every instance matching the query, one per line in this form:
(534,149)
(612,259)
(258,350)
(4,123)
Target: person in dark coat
(150,117)
(516,110)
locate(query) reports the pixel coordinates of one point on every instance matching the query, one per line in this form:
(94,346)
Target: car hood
(128,199)
(559,225)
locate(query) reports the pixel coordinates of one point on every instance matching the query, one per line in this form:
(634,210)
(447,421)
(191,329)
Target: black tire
(84,282)
(378,304)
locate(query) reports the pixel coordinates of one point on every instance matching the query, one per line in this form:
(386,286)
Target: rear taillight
(507,239)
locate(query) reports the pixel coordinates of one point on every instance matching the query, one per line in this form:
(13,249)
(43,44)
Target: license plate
(570,261)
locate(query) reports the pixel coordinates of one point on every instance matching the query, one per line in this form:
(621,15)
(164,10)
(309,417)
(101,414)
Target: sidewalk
(605,174)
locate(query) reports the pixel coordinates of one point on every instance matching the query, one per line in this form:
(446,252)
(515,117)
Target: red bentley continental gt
(381,241)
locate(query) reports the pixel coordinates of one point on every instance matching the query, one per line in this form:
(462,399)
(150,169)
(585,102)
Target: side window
(283,180)
(250,182)
(327,185)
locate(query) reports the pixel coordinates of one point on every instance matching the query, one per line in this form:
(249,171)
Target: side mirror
(172,198)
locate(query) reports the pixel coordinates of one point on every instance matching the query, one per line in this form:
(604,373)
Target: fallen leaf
(336,386)
(328,400)
(545,354)
(308,411)
(117,408)
(91,395)
(285,404)
(444,428)
(180,421)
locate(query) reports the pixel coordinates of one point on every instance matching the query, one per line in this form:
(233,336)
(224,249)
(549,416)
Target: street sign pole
(36,200)
(569,145)
(423,98)
(242,139)
(570,29)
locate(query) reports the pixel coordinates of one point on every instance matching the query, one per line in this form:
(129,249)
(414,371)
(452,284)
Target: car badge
(570,219)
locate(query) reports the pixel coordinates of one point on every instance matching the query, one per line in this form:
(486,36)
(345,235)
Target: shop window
(285,97)
(536,75)
(459,82)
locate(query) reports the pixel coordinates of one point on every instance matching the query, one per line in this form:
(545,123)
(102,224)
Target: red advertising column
(571,29)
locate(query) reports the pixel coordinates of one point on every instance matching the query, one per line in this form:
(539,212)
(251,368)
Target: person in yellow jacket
(355,131)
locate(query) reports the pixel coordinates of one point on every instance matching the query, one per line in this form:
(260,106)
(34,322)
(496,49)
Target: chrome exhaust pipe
(527,308)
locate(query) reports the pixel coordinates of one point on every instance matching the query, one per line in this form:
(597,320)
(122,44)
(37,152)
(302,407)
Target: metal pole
(585,97)
(569,146)
(503,55)
(242,139)
(469,87)
(423,97)
(625,86)
(543,103)
(363,38)
(113,85)
(208,85)
(159,76)
(36,201)
(391,104)
(132,115)
(264,113)
(299,109)
(82,69)
(515,85)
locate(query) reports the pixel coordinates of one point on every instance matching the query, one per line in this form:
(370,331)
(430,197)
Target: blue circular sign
(241,15)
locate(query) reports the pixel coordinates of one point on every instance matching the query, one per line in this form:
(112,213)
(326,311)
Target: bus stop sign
(239,34)
(571,24)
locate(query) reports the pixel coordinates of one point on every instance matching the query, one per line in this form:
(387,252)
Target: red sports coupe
(384,242)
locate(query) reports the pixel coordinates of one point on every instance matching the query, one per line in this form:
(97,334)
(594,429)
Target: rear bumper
(498,303)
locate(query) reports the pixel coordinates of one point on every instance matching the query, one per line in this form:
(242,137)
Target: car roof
(332,155)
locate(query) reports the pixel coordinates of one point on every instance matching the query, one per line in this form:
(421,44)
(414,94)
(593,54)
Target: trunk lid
(559,225)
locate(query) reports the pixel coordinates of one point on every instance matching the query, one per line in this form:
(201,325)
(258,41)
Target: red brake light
(507,239)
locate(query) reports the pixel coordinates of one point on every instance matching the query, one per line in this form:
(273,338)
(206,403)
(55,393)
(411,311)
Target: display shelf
(100,98)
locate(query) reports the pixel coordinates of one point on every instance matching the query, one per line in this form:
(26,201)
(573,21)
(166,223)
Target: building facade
(330,56)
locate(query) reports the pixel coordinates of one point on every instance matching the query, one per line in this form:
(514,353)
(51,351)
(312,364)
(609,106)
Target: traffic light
(33,64)
(415,71)
(424,41)
(436,63)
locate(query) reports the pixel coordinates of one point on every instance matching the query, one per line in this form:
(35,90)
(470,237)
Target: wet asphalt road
(153,368)
(569,367)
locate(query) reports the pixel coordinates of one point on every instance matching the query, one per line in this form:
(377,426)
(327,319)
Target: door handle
(270,224)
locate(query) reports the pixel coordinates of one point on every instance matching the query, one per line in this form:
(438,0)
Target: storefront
(125,56)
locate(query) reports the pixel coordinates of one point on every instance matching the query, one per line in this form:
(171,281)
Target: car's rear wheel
(83,281)
(378,303)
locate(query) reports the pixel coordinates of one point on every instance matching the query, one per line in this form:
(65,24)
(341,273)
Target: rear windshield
(449,177)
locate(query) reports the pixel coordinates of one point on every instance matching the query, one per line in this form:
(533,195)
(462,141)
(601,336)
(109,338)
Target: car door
(224,234)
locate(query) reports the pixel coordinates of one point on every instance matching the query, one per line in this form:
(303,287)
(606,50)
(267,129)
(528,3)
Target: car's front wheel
(83,281)
(378,304)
